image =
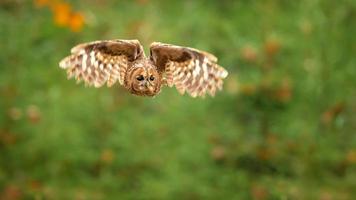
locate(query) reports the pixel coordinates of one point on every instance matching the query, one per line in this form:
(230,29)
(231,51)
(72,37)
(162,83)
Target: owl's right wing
(189,70)
(102,61)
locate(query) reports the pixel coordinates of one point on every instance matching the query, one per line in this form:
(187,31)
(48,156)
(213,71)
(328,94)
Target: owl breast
(143,79)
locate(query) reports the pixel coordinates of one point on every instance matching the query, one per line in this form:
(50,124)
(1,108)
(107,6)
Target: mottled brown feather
(109,61)
(102,61)
(190,70)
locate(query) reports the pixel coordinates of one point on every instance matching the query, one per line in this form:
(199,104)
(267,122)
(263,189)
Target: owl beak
(149,87)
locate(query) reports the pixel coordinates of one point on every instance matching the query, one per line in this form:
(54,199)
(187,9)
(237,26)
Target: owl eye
(140,78)
(152,78)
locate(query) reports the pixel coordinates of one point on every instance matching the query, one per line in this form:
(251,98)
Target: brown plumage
(189,70)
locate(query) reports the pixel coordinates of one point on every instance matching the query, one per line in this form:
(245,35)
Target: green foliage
(282,128)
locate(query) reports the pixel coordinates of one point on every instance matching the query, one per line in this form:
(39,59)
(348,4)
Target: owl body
(189,70)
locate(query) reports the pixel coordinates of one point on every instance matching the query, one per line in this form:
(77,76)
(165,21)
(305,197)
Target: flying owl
(109,61)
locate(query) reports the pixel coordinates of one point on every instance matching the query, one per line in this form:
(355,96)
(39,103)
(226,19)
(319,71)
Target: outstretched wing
(102,61)
(190,70)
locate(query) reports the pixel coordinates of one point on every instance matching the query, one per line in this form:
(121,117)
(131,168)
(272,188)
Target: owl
(110,61)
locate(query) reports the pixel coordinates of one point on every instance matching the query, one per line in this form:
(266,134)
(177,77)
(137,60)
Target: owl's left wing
(190,70)
(102,61)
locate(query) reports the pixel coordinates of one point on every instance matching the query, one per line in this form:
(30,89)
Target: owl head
(144,80)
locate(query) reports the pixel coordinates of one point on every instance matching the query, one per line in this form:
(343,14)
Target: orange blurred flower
(7,138)
(11,192)
(107,156)
(249,53)
(33,114)
(258,192)
(76,22)
(272,46)
(351,156)
(62,13)
(35,185)
(332,112)
(284,92)
(218,153)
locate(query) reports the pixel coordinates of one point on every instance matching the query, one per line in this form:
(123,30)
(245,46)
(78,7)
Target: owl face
(145,81)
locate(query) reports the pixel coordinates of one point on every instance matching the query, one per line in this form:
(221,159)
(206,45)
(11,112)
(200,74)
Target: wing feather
(100,62)
(189,70)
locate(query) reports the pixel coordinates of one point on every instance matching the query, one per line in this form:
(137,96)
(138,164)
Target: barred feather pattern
(195,76)
(94,67)
(190,70)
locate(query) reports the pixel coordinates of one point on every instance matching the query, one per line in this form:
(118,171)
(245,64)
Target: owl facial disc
(145,81)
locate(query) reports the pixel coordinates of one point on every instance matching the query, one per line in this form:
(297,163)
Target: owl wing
(102,61)
(190,70)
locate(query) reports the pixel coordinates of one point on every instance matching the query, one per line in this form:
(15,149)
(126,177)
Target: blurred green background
(282,128)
